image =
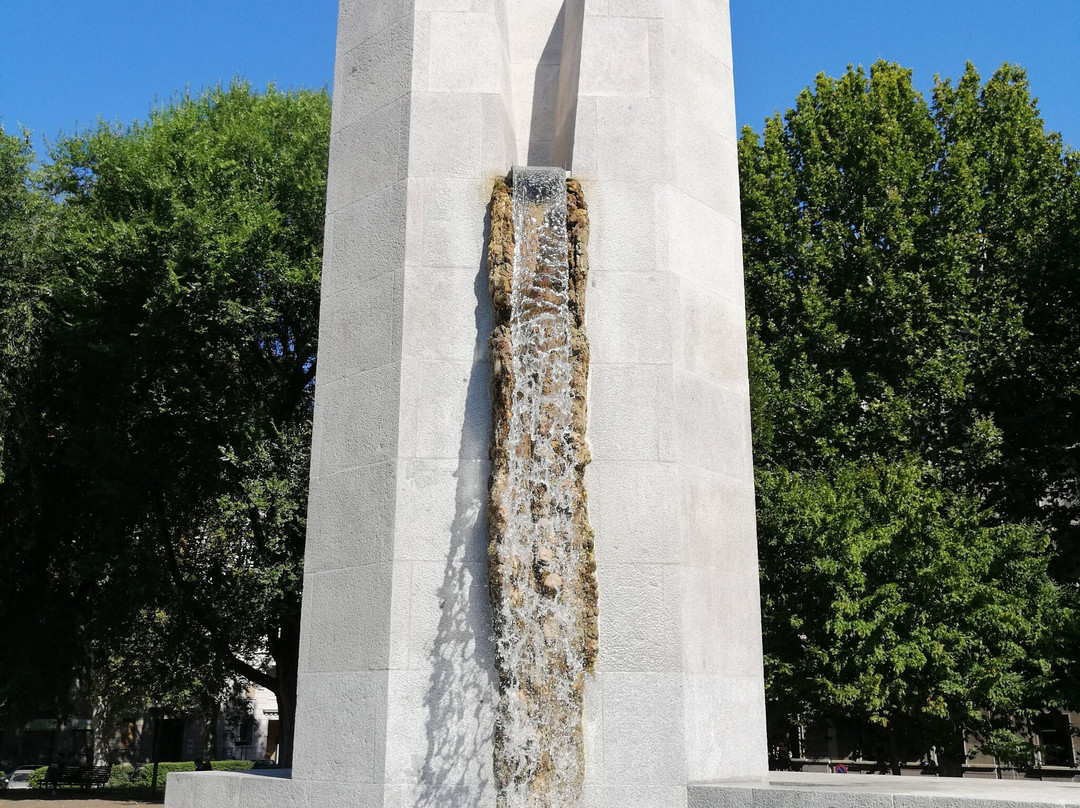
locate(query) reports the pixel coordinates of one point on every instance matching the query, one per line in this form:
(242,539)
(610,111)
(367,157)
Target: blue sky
(63,63)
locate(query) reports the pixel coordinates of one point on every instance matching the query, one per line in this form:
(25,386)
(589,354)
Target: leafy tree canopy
(911,287)
(156,466)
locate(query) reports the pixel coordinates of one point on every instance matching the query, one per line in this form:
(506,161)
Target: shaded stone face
(541,565)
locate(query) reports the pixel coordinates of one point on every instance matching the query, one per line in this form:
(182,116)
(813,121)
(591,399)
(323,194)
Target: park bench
(83,776)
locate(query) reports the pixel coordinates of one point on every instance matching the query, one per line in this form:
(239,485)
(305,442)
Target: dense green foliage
(157,413)
(912,290)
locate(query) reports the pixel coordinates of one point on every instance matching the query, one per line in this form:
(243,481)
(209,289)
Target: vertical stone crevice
(541,564)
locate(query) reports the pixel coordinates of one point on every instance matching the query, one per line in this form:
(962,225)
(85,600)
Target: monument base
(798,790)
(779,790)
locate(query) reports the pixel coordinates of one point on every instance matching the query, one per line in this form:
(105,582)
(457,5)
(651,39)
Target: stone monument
(434,102)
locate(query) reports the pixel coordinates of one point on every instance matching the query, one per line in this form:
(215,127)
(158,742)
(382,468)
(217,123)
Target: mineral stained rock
(540,558)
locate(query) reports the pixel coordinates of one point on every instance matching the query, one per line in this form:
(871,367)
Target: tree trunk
(286,652)
(894,749)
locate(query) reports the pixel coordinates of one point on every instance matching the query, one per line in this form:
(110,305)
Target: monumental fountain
(531,569)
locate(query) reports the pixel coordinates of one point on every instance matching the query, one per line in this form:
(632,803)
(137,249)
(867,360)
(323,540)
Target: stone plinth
(797,790)
(433,101)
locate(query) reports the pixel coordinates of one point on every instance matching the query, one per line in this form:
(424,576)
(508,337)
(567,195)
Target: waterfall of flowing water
(540,611)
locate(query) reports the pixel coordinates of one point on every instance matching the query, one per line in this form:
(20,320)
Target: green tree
(910,269)
(165,464)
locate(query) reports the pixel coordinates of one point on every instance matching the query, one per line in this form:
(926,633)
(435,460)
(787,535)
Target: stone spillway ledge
(541,565)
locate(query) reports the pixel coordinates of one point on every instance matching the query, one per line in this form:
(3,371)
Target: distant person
(203,765)
(783,758)
(52,776)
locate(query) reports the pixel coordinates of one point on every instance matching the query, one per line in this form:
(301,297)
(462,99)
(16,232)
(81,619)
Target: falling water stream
(540,649)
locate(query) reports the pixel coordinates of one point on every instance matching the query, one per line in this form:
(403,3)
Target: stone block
(725,723)
(445,409)
(712,425)
(703,245)
(336,730)
(498,145)
(463,48)
(710,338)
(631,140)
(717,517)
(643,726)
(217,789)
(359,331)
(623,227)
(369,156)
(258,792)
(707,24)
(638,796)
(623,411)
(721,619)
(359,20)
(346,619)
(351,518)
(623,8)
(449,617)
(615,57)
(357,250)
(446,135)
(442,510)
(634,508)
(639,618)
(440,722)
(702,153)
(372,396)
(449,312)
(697,80)
(453,222)
(371,75)
(628,317)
